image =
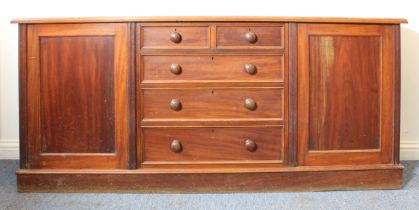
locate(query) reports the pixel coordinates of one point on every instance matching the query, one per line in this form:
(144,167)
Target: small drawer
(174,37)
(213,144)
(216,103)
(250,37)
(216,68)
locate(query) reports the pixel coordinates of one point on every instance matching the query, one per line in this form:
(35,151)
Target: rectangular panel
(345,90)
(213,68)
(268,36)
(213,144)
(77,94)
(345,94)
(189,37)
(213,103)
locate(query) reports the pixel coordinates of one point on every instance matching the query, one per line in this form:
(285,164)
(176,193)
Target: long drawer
(228,103)
(225,68)
(207,144)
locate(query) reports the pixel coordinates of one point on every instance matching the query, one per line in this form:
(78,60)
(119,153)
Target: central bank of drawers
(211,94)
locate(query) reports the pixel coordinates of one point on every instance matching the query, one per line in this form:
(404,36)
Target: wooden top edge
(211,19)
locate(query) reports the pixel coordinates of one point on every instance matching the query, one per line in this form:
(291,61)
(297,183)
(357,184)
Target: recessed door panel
(344,72)
(345,102)
(77,96)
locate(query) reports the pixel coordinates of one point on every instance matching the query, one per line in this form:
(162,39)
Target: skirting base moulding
(209,104)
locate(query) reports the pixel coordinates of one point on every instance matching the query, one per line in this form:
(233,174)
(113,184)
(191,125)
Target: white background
(9,116)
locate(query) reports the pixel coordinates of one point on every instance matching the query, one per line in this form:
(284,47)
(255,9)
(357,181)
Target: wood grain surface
(213,144)
(158,37)
(212,68)
(212,19)
(219,103)
(97,98)
(344,92)
(77,96)
(345,101)
(126,181)
(233,36)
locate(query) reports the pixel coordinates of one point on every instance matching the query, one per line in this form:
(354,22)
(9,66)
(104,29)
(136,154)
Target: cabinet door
(77,97)
(346,93)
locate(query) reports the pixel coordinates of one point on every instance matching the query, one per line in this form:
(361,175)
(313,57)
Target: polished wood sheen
(344,99)
(172,37)
(165,19)
(77,94)
(213,144)
(209,104)
(213,68)
(212,103)
(250,36)
(293,179)
(354,124)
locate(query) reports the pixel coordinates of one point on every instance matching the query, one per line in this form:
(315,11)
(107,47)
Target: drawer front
(245,103)
(174,37)
(271,36)
(207,144)
(221,68)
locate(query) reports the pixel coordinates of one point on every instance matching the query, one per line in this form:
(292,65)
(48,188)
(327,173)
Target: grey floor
(406,198)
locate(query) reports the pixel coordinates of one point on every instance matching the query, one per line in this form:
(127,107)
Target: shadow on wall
(409,131)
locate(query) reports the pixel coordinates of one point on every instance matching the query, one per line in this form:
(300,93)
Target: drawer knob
(250,145)
(250,104)
(176,146)
(175,104)
(175,37)
(251,37)
(250,68)
(175,68)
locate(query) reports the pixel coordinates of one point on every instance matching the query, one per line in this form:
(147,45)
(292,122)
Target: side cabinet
(348,94)
(76,96)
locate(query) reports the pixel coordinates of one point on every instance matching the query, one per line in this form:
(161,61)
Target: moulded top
(211,19)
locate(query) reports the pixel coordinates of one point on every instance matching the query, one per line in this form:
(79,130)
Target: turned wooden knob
(250,145)
(251,37)
(176,146)
(250,104)
(175,104)
(250,68)
(175,69)
(175,37)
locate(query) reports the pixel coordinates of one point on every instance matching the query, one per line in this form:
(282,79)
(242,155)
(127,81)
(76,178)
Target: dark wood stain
(95,102)
(345,79)
(234,36)
(132,90)
(396,93)
(23,97)
(213,182)
(213,68)
(212,144)
(345,94)
(77,94)
(292,93)
(213,103)
(158,37)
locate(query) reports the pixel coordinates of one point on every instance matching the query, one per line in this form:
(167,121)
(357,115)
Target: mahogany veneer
(162,104)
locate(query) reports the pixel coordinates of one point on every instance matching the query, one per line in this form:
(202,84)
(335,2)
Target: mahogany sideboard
(204,104)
